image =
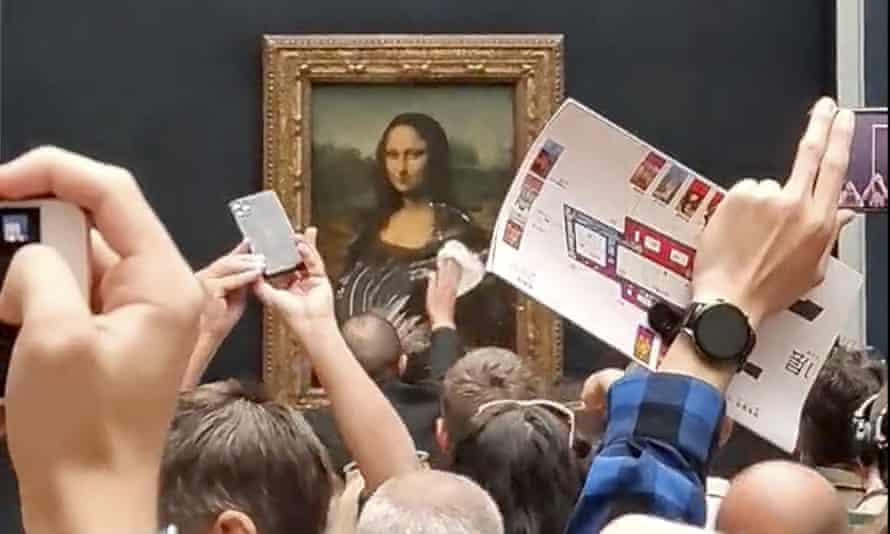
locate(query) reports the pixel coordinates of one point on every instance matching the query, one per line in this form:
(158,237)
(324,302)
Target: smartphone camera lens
(240,209)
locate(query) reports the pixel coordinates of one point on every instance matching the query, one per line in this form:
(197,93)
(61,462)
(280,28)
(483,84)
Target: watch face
(722,332)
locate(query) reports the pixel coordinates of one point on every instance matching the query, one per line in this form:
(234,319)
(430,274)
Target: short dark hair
(482,376)
(523,457)
(231,448)
(375,343)
(849,377)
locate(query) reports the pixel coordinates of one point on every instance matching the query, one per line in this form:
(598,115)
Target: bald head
(781,498)
(375,344)
(430,502)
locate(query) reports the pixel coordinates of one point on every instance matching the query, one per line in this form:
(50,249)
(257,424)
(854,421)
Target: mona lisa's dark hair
(523,458)
(436,185)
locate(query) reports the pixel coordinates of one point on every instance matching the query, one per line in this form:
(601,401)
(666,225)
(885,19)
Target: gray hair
(430,502)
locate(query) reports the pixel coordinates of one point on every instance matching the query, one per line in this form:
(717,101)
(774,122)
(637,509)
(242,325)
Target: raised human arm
(92,386)
(226,281)
(371,429)
(663,427)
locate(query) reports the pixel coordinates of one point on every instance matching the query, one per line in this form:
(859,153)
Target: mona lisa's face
(406,159)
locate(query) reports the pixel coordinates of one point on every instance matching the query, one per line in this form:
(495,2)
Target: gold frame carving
(532,64)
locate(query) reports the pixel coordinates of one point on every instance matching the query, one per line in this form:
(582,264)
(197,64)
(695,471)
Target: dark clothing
(418,404)
(379,274)
(10,512)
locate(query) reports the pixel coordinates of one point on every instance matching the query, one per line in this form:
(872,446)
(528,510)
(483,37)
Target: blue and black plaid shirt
(662,431)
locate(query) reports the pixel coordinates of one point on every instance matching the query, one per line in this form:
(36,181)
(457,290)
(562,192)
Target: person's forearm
(108,501)
(683,359)
(445,350)
(205,350)
(437,323)
(373,432)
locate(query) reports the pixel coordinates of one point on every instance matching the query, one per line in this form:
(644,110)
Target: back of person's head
(430,502)
(237,462)
(482,376)
(848,378)
(523,456)
(375,343)
(781,498)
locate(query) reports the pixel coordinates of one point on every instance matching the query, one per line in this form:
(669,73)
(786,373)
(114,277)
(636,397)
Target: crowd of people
(110,431)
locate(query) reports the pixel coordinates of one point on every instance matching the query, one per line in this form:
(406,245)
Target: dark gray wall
(171,89)
(876,229)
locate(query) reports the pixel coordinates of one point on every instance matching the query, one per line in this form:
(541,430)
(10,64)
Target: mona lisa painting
(399,172)
(393,147)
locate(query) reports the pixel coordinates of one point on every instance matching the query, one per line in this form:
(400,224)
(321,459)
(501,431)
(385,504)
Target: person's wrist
(439,323)
(212,335)
(313,329)
(683,358)
(752,310)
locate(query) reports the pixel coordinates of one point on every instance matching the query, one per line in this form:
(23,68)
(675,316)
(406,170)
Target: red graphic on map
(636,295)
(712,206)
(658,247)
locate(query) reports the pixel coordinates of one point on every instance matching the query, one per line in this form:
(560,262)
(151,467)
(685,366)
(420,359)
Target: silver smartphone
(264,223)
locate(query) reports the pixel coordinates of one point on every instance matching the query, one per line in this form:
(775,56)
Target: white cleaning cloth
(472,269)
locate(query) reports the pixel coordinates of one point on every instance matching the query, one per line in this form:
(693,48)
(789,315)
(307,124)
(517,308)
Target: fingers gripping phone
(53,223)
(264,223)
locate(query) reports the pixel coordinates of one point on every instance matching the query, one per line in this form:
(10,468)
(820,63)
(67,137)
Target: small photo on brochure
(712,205)
(531,188)
(646,173)
(693,198)
(513,234)
(547,158)
(670,184)
(643,345)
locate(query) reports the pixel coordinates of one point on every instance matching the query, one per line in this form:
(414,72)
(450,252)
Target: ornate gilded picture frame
(359,128)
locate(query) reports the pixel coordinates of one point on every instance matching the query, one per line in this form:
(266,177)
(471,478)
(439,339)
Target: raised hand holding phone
(58,225)
(264,224)
(307,297)
(92,390)
(226,282)
(373,432)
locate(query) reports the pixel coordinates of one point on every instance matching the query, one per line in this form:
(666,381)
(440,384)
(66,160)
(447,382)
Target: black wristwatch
(720,331)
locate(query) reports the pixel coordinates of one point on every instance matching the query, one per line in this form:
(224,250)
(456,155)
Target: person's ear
(233,522)
(402,364)
(442,435)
